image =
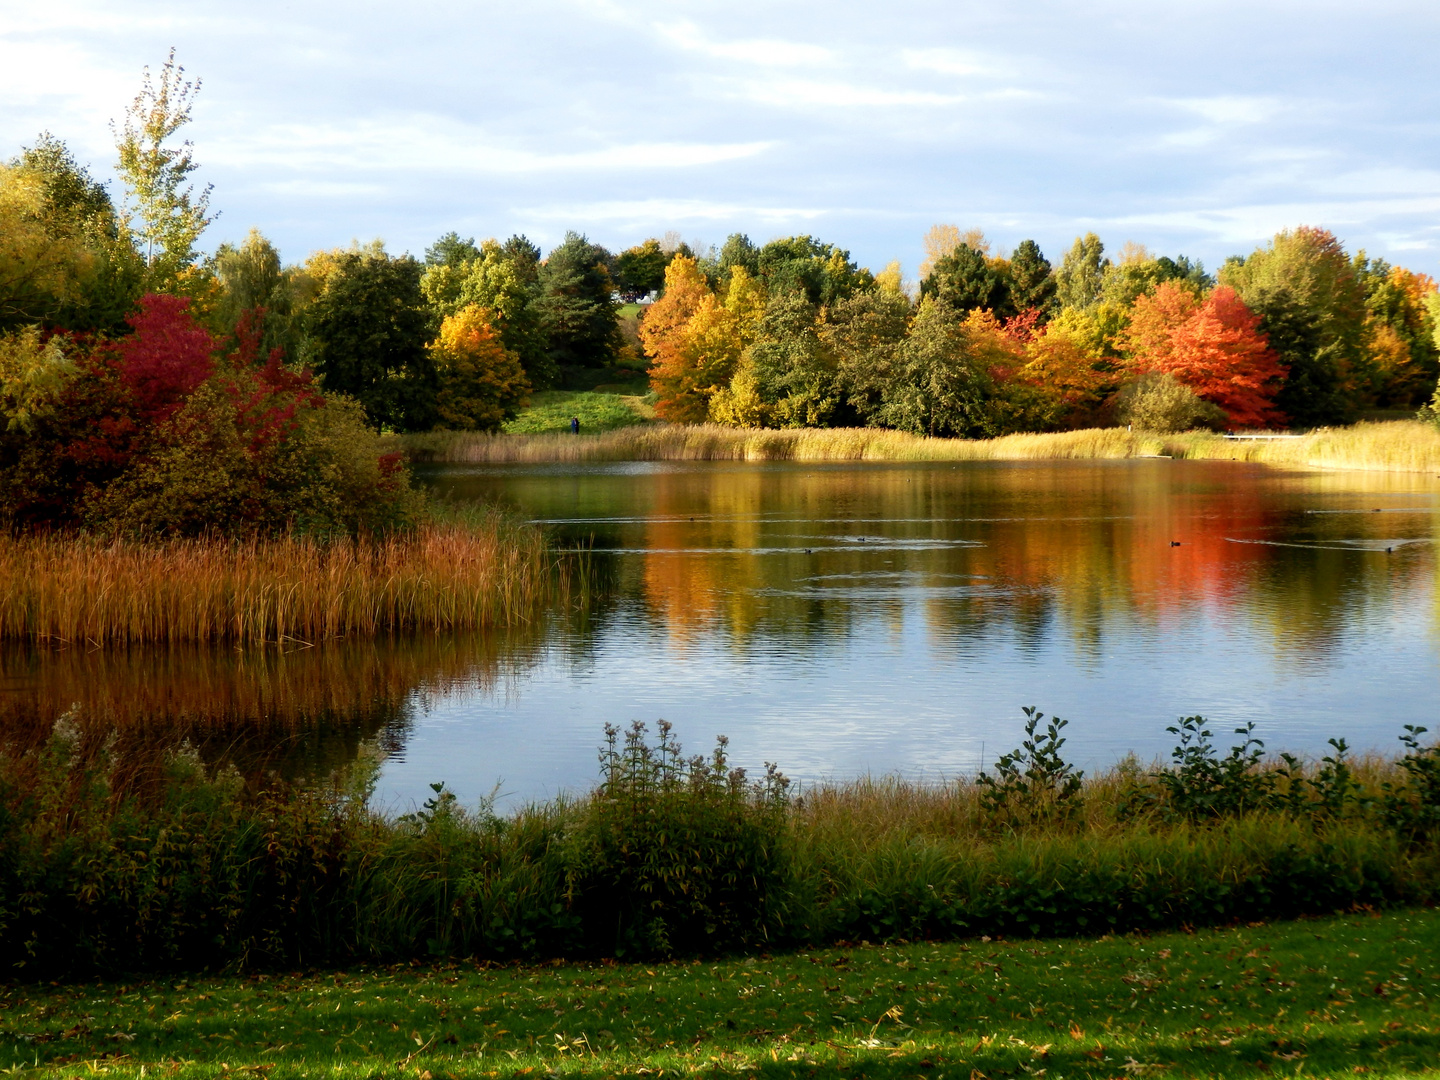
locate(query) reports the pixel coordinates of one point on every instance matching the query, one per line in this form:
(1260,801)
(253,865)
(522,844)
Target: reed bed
(449,576)
(714,442)
(1398,446)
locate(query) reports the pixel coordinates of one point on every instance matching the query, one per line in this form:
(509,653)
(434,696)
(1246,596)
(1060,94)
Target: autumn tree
(942,240)
(257,285)
(481,383)
(696,339)
(1215,347)
(162,210)
(664,334)
(1401,362)
(823,272)
(1311,305)
(504,280)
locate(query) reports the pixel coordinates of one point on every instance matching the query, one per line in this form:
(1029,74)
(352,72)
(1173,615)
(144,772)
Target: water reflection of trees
(300,712)
(1081,550)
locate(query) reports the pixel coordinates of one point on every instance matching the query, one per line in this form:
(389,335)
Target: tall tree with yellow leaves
(481,383)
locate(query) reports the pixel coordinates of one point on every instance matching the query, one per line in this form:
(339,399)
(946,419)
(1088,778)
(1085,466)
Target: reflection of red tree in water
(1093,543)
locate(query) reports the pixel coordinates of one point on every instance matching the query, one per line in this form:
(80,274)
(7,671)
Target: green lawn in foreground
(551,410)
(1324,998)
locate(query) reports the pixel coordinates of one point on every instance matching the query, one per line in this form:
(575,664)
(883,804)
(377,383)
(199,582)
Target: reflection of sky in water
(746,602)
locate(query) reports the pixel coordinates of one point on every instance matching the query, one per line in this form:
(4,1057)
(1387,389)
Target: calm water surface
(845,619)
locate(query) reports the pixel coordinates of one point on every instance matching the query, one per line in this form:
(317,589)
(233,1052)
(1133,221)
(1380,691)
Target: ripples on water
(844,619)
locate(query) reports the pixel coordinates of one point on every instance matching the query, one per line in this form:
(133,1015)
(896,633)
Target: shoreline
(1387,446)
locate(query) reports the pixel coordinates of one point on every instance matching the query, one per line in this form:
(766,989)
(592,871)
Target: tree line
(792,332)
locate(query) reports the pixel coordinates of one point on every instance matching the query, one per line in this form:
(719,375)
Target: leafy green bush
(1159,403)
(677,855)
(1033,782)
(114,863)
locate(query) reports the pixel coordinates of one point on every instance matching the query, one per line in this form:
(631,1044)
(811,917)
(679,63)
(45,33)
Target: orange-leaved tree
(696,339)
(482,383)
(1215,347)
(664,331)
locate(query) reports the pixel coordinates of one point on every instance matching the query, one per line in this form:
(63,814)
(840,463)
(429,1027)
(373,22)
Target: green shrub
(1159,403)
(677,855)
(114,863)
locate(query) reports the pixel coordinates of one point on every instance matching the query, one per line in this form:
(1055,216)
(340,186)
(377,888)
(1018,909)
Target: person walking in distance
(574,425)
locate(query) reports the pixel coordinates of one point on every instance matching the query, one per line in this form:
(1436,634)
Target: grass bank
(1398,446)
(446,575)
(176,866)
(597,410)
(1325,998)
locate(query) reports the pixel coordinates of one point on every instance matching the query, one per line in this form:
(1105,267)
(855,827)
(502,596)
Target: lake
(844,619)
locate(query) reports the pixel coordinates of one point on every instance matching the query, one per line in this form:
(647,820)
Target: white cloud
(432,144)
(646,212)
(809,93)
(1231,110)
(955,62)
(765,52)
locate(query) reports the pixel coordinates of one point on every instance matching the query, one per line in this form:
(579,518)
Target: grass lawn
(1332,998)
(551,410)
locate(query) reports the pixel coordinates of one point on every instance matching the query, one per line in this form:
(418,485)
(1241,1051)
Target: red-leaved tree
(1214,347)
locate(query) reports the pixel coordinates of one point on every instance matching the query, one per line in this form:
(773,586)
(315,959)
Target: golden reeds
(713,442)
(88,591)
(1401,446)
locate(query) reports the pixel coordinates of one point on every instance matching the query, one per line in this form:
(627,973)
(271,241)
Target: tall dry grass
(714,442)
(1401,446)
(444,576)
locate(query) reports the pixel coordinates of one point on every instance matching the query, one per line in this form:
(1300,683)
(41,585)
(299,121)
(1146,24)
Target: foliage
(162,211)
(1032,279)
(1311,304)
(942,388)
(33,373)
(258,290)
(822,272)
(43,262)
(1159,402)
(664,331)
(677,855)
(152,434)
(795,374)
(1214,347)
(370,328)
(641,269)
(481,382)
(866,331)
(1081,276)
(1032,782)
(966,281)
(695,340)
(575,307)
(503,279)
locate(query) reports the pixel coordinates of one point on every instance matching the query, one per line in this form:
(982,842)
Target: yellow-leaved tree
(696,339)
(481,382)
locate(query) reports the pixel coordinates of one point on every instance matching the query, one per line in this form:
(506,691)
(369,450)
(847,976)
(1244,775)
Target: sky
(1197,129)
